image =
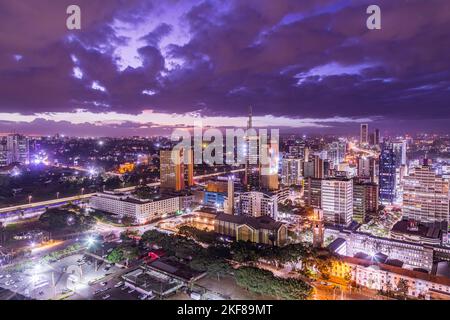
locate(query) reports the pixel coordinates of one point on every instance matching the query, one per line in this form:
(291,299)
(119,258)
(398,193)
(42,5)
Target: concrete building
(17,149)
(176,169)
(385,277)
(256,204)
(365,200)
(313,192)
(426,196)
(291,171)
(337,201)
(364,134)
(142,211)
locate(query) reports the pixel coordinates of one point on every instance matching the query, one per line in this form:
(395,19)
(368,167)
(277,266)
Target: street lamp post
(29,198)
(57,195)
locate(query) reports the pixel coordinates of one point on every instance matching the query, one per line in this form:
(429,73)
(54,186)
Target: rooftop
(263,222)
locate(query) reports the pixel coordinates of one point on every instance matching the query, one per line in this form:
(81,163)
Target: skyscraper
(269,170)
(252,169)
(291,171)
(365,200)
(364,134)
(176,169)
(17,149)
(337,201)
(387,174)
(425,196)
(336,152)
(367,168)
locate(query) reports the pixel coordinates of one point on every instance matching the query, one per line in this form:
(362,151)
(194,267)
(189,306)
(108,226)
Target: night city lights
(243,151)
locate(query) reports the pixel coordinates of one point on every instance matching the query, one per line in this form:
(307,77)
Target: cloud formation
(305,62)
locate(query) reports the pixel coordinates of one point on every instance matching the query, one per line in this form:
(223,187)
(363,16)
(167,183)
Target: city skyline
(143,68)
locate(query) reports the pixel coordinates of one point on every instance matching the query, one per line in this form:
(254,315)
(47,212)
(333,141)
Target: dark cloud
(312,58)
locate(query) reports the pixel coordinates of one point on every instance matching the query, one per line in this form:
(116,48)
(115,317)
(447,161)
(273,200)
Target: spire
(250,114)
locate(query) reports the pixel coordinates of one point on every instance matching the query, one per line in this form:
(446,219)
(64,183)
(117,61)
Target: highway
(30,210)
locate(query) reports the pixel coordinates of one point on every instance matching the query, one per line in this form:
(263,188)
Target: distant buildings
(318,228)
(364,134)
(336,152)
(387,179)
(261,229)
(367,169)
(16,149)
(426,196)
(337,201)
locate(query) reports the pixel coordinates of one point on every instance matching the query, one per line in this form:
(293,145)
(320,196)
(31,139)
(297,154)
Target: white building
(143,211)
(337,201)
(257,204)
(425,196)
(17,149)
(291,171)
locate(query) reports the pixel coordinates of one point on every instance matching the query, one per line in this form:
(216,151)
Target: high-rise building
(367,169)
(364,134)
(269,170)
(252,170)
(336,152)
(3,154)
(291,171)
(377,137)
(229,208)
(399,148)
(176,169)
(426,196)
(365,200)
(337,201)
(17,149)
(387,176)
(257,204)
(313,192)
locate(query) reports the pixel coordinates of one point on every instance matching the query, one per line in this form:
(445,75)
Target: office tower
(176,169)
(291,171)
(425,196)
(269,171)
(318,228)
(336,153)
(319,169)
(337,201)
(252,169)
(308,169)
(367,169)
(377,137)
(364,134)
(257,204)
(365,200)
(230,194)
(3,155)
(306,154)
(399,148)
(18,149)
(387,176)
(313,192)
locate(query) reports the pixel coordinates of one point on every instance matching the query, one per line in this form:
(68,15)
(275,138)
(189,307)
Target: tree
(264,282)
(402,288)
(115,256)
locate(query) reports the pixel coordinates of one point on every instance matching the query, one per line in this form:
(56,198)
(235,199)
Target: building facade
(337,201)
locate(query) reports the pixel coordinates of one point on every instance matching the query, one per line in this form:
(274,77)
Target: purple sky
(139,67)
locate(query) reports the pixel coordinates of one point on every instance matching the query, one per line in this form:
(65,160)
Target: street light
(29,198)
(57,195)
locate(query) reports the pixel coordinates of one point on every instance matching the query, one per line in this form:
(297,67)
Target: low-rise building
(384,277)
(259,230)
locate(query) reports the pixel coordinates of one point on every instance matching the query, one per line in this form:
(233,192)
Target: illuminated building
(176,169)
(318,228)
(259,230)
(426,196)
(17,149)
(367,169)
(365,200)
(364,134)
(385,277)
(269,171)
(251,148)
(257,204)
(337,201)
(336,152)
(141,210)
(126,167)
(387,175)
(313,192)
(291,171)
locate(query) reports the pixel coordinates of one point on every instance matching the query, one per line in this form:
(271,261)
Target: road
(7,214)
